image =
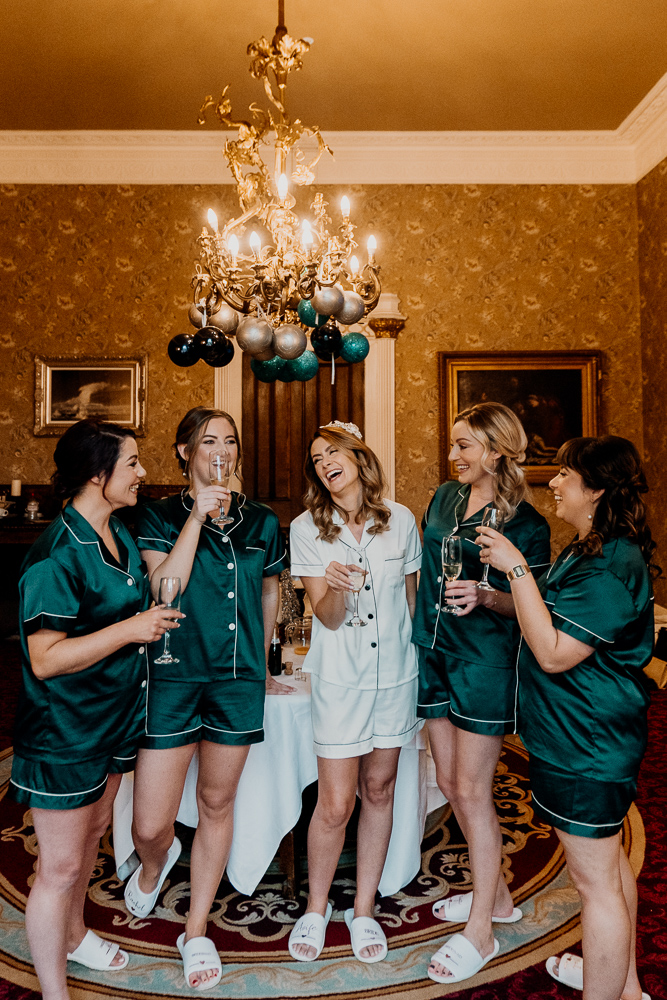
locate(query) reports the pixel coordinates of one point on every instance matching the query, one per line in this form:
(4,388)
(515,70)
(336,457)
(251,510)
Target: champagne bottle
(275,654)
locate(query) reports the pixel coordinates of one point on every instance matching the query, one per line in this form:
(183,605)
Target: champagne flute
(492,518)
(220,472)
(357,568)
(452,564)
(170,596)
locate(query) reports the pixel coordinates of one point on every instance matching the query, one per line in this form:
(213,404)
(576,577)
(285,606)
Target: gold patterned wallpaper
(652,209)
(95,270)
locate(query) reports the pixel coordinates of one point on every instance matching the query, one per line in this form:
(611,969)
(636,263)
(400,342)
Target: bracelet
(518,571)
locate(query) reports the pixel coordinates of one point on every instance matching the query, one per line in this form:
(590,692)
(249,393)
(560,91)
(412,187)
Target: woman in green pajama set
(213,698)
(84,626)
(467,666)
(587,630)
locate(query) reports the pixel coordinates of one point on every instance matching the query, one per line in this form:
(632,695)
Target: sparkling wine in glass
(220,469)
(170,597)
(356,567)
(492,518)
(452,564)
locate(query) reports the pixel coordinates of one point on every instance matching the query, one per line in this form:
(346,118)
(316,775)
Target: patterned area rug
(251,932)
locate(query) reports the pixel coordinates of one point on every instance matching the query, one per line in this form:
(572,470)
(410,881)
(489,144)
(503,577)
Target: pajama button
(230,565)
(224,538)
(437,607)
(141,649)
(373,645)
(143,684)
(367,587)
(439,580)
(232,626)
(370,616)
(130,582)
(230,594)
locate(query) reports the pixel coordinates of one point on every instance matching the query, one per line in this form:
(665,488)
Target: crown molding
(620,156)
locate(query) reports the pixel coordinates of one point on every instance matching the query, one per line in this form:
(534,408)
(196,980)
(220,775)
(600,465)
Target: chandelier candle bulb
(283,187)
(354,266)
(372,246)
(255,245)
(233,247)
(213,220)
(345,207)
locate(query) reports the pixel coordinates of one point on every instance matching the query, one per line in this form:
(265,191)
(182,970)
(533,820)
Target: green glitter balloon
(267,371)
(304,367)
(355,347)
(308,315)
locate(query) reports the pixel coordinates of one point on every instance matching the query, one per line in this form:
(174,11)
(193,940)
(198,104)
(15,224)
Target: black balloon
(220,355)
(207,339)
(183,351)
(326,341)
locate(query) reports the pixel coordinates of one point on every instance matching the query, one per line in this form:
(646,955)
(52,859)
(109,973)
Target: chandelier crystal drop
(267,276)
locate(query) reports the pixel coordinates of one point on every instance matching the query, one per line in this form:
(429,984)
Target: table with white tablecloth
(268,802)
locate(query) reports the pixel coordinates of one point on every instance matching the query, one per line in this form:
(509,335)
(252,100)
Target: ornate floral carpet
(251,932)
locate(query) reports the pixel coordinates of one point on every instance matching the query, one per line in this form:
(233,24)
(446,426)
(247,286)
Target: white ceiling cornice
(622,156)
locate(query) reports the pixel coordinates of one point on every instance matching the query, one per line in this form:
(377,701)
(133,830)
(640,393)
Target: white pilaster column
(379,405)
(228,392)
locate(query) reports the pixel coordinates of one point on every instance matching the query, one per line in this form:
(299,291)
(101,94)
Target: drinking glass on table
(452,564)
(220,472)
(492,518)
(170,597)
(357,568)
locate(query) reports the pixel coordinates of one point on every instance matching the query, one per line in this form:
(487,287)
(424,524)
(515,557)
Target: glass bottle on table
(275,659)
(452,564)
(220,472)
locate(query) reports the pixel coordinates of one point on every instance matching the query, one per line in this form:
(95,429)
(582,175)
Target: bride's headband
(339,425)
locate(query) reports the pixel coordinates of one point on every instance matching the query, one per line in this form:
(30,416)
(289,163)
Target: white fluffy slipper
(309,929)
(456,910)
(95,953)
(200,954)
(142,903)
(364,933)
(570,971)
(461,958)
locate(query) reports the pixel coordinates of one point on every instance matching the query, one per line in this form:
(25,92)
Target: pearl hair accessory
(339,425)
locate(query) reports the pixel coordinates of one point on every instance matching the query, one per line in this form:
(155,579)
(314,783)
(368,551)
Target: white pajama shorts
(349,723)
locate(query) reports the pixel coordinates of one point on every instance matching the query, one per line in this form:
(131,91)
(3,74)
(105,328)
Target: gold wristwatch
(518,572)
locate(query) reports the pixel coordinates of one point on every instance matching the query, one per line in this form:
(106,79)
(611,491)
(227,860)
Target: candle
(233,247)
(255,245)
(345,206)
(371,245)
(354,266)
(213,220)
(282,187)
(16,487)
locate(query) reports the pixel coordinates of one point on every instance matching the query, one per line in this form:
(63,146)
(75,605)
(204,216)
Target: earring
(590,517)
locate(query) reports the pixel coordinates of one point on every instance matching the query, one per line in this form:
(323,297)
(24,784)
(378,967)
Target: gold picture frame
(555,394)
(68,389)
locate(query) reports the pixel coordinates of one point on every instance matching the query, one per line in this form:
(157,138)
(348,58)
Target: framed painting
(554,394)
(68,389)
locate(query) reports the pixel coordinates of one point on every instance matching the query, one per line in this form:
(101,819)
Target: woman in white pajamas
(364,680)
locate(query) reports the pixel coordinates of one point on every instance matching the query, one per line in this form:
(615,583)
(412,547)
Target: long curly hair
(497,428)
(317,498)
(612,464)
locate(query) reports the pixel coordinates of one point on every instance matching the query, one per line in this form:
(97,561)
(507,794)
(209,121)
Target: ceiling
(376,65)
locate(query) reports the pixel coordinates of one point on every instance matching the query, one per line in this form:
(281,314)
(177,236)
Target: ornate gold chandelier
(306,276)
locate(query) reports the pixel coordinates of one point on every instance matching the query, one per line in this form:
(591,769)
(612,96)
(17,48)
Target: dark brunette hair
(192,429)
(317,498)
(612,464)
(88,448)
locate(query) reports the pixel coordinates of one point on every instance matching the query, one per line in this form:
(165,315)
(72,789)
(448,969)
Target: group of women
(552,651)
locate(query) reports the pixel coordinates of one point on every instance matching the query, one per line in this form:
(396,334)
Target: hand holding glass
(220,472)
(492,518)
(452,564)
(170,597)
(356,567)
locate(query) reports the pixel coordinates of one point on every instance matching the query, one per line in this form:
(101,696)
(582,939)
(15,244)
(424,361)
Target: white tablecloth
(268,803)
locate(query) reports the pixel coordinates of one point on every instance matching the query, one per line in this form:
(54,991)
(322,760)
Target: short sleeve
(275,558)
(537,549)
(50,597)
(304,553)
(593,606)
(153,530)
(413,548)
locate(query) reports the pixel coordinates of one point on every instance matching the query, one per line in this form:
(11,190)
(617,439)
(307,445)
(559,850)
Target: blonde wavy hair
(317,498)
(497,428)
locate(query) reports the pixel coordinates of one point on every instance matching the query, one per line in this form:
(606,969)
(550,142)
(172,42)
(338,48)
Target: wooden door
(279,420)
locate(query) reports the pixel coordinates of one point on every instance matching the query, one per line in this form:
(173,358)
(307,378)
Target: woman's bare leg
(159,778)
(336,795)
(465,766)
(220,769)
(68,842)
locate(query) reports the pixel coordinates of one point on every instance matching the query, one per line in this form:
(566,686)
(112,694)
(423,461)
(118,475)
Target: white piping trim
(58,795)
(51,614)
(576,822)
(583,629)
(116,568)
(126,758)
(276,560)
(432,704)
(471,719)
(231,731)
(164,736)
